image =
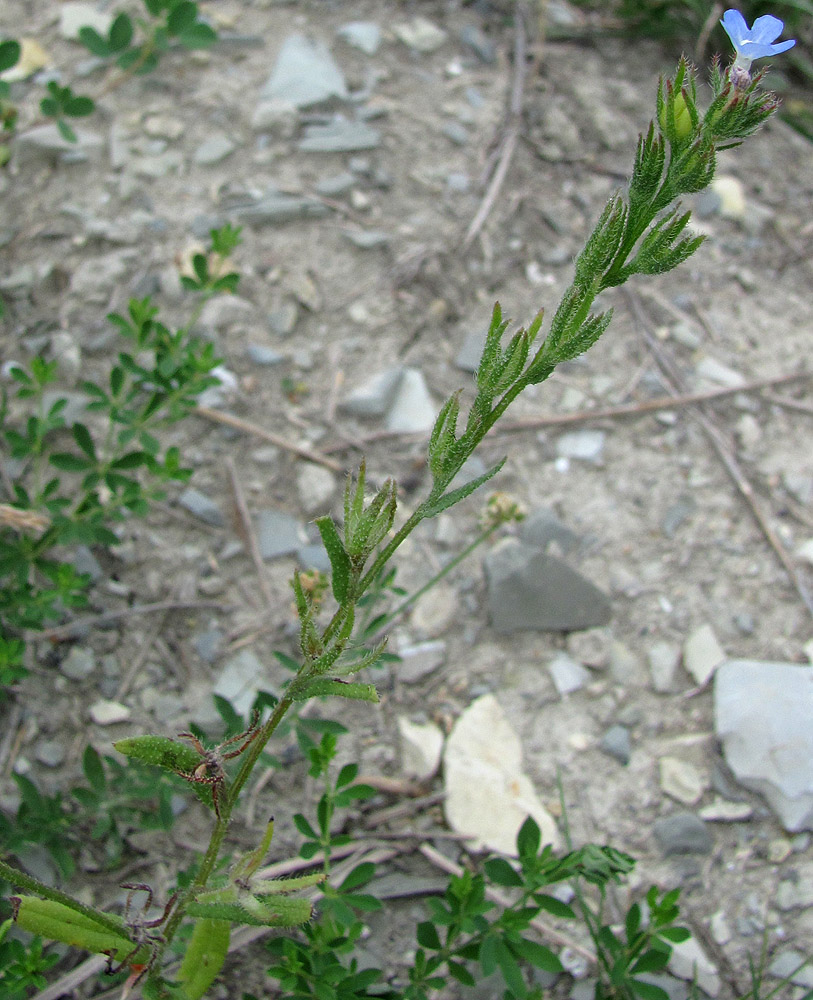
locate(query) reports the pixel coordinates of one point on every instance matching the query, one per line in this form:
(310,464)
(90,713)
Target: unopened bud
(683,120)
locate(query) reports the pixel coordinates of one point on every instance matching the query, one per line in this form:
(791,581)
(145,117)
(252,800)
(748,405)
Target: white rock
(108,713)
(488,797)
(719,927)
(316,486)
(796,893)
(586,446)
(762,714)
(724,811)
(688,961)
(702,654)
(805,551)
(363,35)
(681,780)
(413,411)
(304,74)
(420,34)
(664,658)
(421,747)
(73,16)
(712,370)
(435,612)
(732,196)
(567,675)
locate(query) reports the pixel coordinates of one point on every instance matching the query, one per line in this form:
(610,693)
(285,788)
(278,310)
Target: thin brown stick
(249,534)
(556,937)
(67,631)
(244,425)
(789,404)
(675,380)
(511,136)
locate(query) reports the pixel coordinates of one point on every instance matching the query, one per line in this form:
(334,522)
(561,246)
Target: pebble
(483,47)
(79,664)
(51,753)
(702,654)
(362,35)
(201,506)
(94,277)
(412,410)
(304,74)
(282,321)
(224,311)
(241,680)
(616,743)
(762,715)
(164,127)
(435,612)
(375,396)
(157,166)
(214,150)
(277,209)
(339,136)
(796,893)
(421,749)
(86,563)
(586,446)
(720,928)
(336,185)
(420,35)
(724,811)
(276,117)
(488,796)
(683,833)
(689,961)
(468,357)
(681,780)
(108,713)
(664,658)
(528,589)
(278,534)
(207,644)
(541,528)
(73,16)
(792,965)
(456,133)
(313,557)
(367,239)
(419,660)
(626,667)
(567,675)
(261,354)
(711,370)
(316,486)
(678,513)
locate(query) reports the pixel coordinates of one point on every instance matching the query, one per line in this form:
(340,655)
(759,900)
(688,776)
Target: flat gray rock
(339,136)
(762,714)
(363,35)
(214,149)
(683,833)
(304,74)
(616,743)
(468,357)
(279,534)
(276,209)
(46,142)
(541,527)
(202,507)
(375,396)
(530,590)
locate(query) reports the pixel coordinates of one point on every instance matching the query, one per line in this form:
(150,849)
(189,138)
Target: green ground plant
(318,917)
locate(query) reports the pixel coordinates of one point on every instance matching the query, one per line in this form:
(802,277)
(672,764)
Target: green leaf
(500,872)
(529,838)
(94,42)
(460,973)
(121,33)
(427,935)
(554,906)
(78,106)
(321,687)
(647,991)
(450,499)
(82,437)
(651,961)
(537,954)
(304,827)
(66,131)
(511,972)
(198,36)
(675,934)
(9,54)
(93,768)
(182,16)
(49,107)
(132,460)
(67,462)
(339,559)
(359,876)
(347,775)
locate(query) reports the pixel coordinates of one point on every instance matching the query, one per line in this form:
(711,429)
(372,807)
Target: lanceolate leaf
(339,559)
(450,499)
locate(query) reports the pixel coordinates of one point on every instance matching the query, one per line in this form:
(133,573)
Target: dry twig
(249,534)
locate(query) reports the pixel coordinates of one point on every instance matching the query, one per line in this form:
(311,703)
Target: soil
(742,300)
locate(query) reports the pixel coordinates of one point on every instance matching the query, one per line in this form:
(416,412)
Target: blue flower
(757,42)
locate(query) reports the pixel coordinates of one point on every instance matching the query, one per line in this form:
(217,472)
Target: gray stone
(260,354)
(313,557)
(479,43)
(158,165)
(435,612)
(530,590)
(367,239)
(412,410)
(95,276)
(468,357)
(689,961)
(279,534)
(207,644)
(421,747)
(796,892)
(420,35)
(542,527)
(420,660)
(316,486)
(202,507)
(702,654)
(456,133)
(241,680)
(47,143)
(224,311)
(374,397)
(213,150)
(86,563)
(76,15)
(616,743)
(276,117)
(339,136)
(79,664)
(363,35)
(108,713)
(626,667)
(586,445)
(567,675)
(678,512)
(51,753)
(762,714)
(683,833)
(276,209)
(304,74)
(793,966)
(336,185)
(664,658)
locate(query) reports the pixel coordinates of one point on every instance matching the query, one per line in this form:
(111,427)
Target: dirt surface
(664,530)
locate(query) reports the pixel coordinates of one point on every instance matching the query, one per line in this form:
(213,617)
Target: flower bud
(683,119)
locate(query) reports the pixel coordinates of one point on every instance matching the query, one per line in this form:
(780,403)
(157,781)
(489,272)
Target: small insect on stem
(143,934)
(210,771)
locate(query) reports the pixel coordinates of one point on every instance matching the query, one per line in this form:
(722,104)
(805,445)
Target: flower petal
(735,26)
(766,29)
